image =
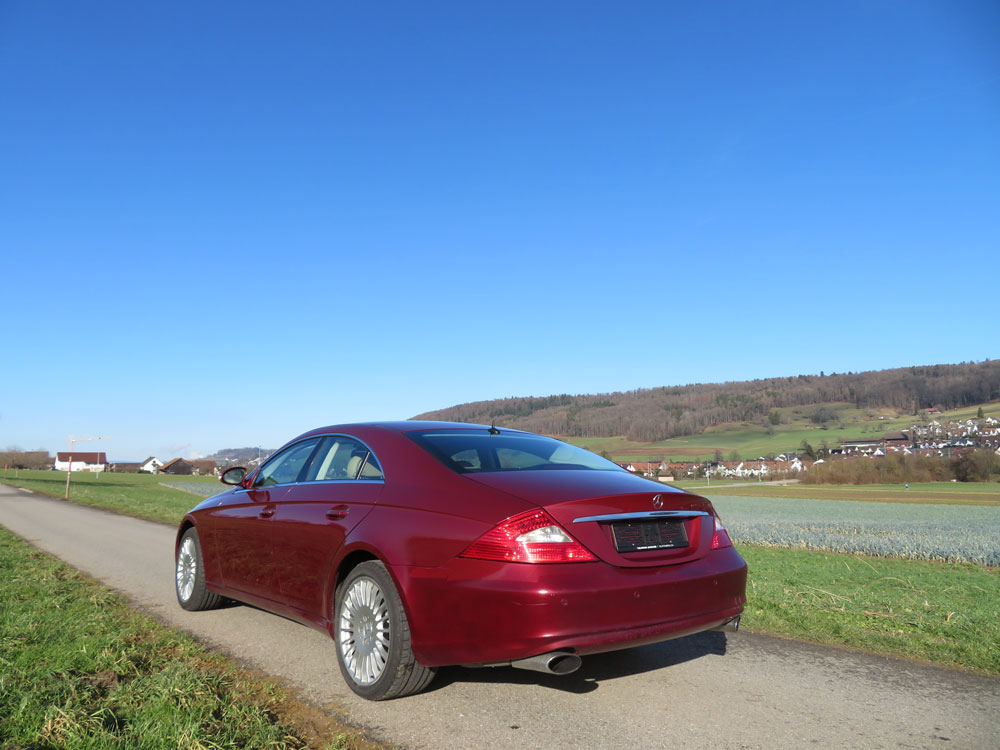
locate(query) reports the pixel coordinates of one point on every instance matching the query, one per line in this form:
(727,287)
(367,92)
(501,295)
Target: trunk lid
(599,507)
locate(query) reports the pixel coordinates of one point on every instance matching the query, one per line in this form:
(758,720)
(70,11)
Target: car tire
(372,636)
(192,593)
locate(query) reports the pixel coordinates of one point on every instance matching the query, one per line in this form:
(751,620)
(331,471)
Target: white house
(77,461)
(151,465)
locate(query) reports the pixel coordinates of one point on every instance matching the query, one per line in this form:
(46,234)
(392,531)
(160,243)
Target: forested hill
(240,456)
(648,415)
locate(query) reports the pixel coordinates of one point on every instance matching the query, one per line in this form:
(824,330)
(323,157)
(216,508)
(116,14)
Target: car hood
(570,495)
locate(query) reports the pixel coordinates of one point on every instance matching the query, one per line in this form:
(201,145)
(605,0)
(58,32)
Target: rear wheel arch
(342,569)
(350,562)
(370,630)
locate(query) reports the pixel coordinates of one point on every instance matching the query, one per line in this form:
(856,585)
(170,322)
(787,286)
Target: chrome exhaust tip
(554,662)
(729,626)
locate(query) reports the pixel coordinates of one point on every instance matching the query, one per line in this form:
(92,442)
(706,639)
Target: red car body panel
(479,612)
(285,548)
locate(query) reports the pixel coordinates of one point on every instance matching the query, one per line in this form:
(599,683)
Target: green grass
(751,441)
(748,440)
(944,613)
(80,669)
(138,495)
(935,493)
(701,486)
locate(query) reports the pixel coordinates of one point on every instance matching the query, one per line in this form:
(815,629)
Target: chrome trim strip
(314,481)
(643,515)
(319,481)
(335,481)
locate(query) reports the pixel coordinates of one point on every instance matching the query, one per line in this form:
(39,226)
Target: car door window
(343,458)
(371,469)
(287,465)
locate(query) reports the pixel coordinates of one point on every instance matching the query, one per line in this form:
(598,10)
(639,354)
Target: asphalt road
(711,690)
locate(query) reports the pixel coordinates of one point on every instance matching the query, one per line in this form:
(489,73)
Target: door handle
(267,512)
(337,512)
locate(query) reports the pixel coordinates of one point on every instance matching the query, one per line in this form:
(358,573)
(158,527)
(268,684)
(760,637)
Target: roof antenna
(493,427)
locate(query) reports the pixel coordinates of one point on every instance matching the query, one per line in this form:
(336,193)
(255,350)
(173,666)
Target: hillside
(239,456)
(834,402)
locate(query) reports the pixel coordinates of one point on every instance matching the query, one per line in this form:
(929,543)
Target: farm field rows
(201,489)
(945,533)
(937,493)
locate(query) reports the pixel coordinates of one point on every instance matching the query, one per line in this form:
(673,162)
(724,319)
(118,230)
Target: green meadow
(945,613)
(144,496)
(751,441)
(82,669)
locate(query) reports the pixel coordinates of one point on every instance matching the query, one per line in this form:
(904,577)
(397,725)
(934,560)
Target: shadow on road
(596,668)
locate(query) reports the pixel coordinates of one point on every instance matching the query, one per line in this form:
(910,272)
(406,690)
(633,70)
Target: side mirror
(234,475)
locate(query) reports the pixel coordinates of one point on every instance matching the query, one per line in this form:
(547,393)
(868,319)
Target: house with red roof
(81,461)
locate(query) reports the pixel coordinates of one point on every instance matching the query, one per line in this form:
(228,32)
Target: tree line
(18,459)
(980,465)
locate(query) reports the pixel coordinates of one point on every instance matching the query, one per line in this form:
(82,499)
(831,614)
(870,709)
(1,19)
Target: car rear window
(472,451)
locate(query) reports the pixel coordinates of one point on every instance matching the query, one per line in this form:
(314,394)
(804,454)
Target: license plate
(637,536)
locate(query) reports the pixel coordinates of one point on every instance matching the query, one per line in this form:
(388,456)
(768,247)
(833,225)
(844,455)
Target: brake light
(530,537)
(720,538)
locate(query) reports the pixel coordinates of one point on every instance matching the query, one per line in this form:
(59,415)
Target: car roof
(409,426)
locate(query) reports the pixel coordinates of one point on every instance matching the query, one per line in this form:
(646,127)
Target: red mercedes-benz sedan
(423,544)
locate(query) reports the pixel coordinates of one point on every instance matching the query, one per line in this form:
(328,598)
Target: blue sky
(222,224)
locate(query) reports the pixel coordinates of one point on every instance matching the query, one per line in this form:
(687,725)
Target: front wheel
(373,636)
(190,576)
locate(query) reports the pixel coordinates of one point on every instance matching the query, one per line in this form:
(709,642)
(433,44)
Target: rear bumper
(479,612)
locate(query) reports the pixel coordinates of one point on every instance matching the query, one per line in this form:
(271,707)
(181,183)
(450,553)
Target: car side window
(511,458)
(467,460)
(370,469)
(343,458)
(287,465)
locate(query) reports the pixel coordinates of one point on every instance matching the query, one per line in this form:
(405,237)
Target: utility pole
(69,469)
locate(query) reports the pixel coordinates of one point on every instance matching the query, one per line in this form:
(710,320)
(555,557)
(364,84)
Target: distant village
(81,461)
(932,438)
(91,461)
(935,439)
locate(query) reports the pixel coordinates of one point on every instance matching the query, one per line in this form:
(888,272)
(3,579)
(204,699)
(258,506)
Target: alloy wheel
(364,631)
(187,567)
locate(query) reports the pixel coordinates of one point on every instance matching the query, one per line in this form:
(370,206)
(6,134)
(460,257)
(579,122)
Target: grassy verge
(79,668)
(137,495)
(933,493)
(945,613)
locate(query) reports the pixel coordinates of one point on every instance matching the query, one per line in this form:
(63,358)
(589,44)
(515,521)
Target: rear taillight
(531,537)
(720,538)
